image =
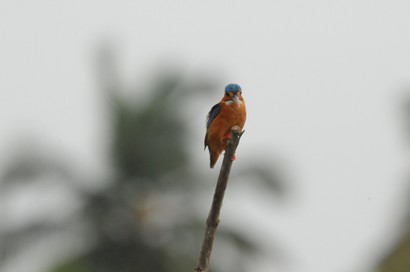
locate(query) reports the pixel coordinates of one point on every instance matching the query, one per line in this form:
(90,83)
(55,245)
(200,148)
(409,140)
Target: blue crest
(233,88)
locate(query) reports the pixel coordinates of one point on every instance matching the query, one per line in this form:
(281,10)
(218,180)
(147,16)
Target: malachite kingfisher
(229,112)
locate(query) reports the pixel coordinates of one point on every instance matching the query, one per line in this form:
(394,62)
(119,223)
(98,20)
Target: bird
(229,112)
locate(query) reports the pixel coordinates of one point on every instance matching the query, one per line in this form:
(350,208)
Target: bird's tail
(213,158)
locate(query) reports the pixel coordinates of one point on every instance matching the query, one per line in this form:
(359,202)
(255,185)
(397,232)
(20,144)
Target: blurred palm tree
(147,217)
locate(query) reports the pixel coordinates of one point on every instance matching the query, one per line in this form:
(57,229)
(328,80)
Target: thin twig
(213,217)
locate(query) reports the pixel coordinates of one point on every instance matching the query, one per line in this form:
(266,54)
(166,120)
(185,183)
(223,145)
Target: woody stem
(213,216)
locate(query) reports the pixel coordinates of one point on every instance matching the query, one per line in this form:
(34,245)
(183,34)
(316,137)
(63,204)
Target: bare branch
(213,217)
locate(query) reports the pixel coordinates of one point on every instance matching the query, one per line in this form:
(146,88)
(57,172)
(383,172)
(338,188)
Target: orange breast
(229,116)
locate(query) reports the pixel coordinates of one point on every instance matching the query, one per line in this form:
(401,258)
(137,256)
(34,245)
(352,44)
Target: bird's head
(233,92)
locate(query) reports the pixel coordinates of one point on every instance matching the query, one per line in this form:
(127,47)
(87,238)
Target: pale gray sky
(323,82)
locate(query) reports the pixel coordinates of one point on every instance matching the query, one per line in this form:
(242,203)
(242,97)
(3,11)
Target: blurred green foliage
(150,137)
(397,259)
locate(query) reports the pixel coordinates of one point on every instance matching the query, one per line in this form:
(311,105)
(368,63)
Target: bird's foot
(234,157)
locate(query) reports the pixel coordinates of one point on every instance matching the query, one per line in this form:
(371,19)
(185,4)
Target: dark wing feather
(213,113)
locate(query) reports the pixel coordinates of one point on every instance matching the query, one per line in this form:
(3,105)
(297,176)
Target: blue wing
(213,113)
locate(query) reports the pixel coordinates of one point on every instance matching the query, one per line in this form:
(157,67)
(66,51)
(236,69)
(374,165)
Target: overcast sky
(323,82)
